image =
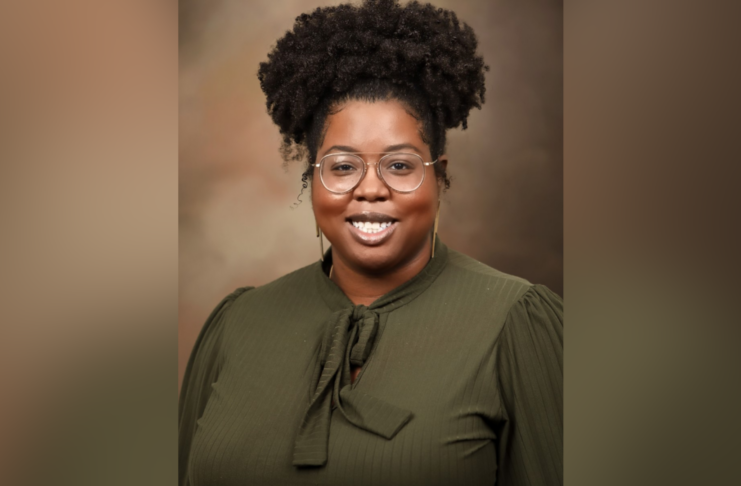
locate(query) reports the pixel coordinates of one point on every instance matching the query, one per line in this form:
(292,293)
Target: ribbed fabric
(348,343)
(461,383)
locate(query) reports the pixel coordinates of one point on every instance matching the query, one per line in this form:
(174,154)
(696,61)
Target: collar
(398,297)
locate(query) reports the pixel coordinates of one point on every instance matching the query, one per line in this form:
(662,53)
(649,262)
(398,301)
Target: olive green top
(461,383)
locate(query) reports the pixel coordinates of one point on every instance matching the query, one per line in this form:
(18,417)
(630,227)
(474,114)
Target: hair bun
(416,46)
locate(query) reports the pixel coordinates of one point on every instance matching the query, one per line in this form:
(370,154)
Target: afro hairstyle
(419,55)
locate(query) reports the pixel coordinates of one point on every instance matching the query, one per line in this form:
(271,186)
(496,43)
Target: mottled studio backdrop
(236,226)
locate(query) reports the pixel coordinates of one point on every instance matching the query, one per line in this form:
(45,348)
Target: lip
(371,239)
(372,217)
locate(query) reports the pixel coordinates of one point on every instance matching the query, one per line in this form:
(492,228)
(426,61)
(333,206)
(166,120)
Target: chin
(375,260)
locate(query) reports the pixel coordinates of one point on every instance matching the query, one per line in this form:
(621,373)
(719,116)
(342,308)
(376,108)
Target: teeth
(367,227)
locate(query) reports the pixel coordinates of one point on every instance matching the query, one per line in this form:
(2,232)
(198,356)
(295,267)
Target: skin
(366,272)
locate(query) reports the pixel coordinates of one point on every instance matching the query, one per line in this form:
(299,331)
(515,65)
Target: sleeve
(201,372)
(530,381)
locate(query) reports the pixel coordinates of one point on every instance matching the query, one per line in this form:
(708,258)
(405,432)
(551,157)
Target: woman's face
(368,128)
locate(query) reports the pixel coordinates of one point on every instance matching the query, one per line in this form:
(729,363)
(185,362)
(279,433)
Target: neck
(366,287)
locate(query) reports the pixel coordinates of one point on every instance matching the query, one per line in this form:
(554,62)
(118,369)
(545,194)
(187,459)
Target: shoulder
(285,290)
(212,329)
(477,285)
(470,277)
(465,263)
(247,305)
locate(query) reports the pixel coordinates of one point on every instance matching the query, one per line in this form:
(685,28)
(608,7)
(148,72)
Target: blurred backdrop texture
(237,225)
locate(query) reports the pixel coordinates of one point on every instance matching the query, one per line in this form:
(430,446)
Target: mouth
(371,228)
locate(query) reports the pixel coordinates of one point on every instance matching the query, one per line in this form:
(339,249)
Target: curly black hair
(417,54)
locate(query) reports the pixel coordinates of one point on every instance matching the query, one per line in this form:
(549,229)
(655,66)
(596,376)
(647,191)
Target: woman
(393,359)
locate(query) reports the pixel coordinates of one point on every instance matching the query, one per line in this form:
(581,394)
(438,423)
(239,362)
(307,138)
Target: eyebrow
(341,148)
(390,148)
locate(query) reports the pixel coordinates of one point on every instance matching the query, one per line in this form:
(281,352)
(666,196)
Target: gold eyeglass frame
(378,169)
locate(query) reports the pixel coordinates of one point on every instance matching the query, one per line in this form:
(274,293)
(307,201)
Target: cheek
(422,208)
(326,205)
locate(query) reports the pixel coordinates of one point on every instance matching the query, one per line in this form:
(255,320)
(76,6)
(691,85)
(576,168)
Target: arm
(530,368)
(202,371)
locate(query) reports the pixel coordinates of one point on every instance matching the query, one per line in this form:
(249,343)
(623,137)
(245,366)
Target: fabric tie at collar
(348,341)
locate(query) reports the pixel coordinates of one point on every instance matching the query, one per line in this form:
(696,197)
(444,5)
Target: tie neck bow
(351,333)
(349,341)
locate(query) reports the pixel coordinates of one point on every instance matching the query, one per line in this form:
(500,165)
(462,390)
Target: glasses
(341,173)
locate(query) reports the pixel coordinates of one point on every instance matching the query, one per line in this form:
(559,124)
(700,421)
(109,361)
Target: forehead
(372,126)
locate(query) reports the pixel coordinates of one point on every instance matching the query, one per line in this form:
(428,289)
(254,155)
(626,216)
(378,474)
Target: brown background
(236,226)
(88,228)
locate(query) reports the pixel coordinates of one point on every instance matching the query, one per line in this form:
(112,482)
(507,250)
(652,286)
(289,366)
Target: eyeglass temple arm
(424,163)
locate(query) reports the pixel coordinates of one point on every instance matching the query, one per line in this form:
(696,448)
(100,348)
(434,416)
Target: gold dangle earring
(321,241)
(434,229)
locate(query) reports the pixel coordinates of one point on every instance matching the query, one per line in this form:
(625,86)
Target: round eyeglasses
(341,173)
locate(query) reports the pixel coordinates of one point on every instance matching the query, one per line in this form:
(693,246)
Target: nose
(371,188)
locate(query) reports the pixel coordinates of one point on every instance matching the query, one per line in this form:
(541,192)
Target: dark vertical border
(88,225)
(651,235)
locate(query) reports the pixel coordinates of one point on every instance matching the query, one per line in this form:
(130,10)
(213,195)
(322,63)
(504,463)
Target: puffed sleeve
(530,380)
(201,372)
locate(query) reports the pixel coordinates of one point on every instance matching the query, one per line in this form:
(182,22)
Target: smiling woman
(393,359)
(376,130)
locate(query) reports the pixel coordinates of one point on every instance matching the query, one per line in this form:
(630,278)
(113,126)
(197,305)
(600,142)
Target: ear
(443,161)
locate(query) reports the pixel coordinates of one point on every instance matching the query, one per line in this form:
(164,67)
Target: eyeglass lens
(402,172)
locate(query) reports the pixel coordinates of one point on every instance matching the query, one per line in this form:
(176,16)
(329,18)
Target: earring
(434,229)
(321,241)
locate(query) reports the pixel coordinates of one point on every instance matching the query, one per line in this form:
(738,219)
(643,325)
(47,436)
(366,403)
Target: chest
(446,380)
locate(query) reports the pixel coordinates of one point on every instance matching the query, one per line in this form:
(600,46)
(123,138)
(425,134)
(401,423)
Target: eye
(343,167)
(398,165)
